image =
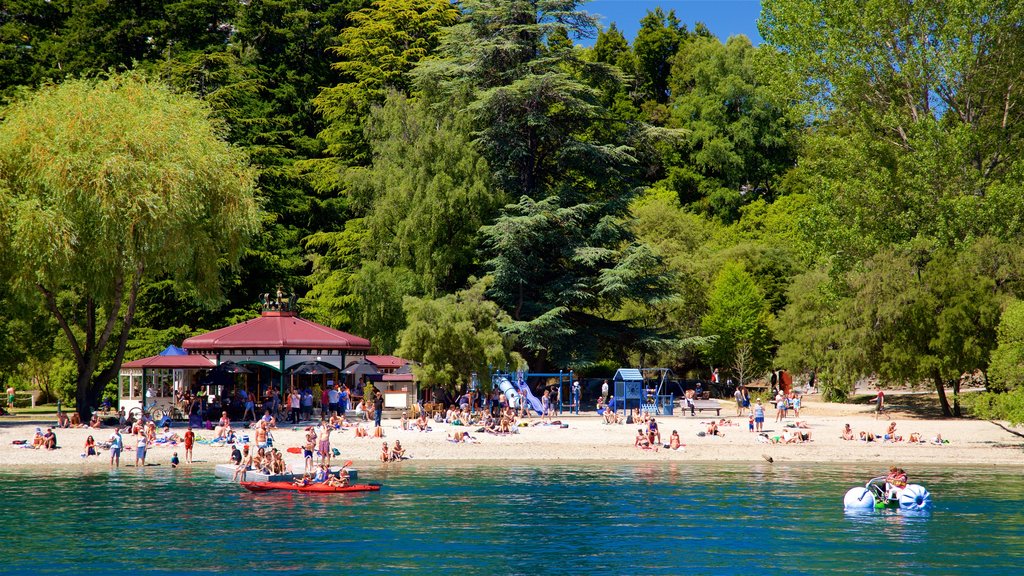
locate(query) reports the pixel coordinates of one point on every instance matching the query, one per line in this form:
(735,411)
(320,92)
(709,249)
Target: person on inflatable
(895,482)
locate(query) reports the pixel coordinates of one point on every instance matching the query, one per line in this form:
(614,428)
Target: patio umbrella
(312,367)
(360,368)
(232,368)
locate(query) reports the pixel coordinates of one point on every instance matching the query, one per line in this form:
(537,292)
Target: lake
(580,518)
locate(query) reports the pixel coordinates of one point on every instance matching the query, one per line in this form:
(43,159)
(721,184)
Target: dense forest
(498,182)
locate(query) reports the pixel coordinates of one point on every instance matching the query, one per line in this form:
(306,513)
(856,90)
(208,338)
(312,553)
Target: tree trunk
(956,398)
(940,387)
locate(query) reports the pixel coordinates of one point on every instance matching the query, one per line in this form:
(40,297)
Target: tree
(454,336)
(106,183)
(737,313)
(735,141)
(1006,368)
(656,43)
(912,165)
(376,54)
(562,256)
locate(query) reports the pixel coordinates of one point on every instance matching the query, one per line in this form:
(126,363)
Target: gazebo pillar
(281,357)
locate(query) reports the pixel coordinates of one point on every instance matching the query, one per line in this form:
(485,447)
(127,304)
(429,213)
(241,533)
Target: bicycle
(156,413)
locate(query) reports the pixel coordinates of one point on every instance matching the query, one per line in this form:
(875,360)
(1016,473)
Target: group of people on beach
(890,436)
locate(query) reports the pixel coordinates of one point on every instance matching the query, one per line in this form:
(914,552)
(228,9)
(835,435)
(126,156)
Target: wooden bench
(702,405)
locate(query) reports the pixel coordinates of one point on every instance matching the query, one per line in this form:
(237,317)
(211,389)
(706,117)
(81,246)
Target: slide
(535,402)
(509,391)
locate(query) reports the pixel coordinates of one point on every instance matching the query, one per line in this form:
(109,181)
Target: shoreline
(588,440)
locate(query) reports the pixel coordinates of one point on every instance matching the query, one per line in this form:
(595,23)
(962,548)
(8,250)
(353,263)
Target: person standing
(332,400)
(378,408)
(325,403)
(10,398)
(759,417)
(576,396)
(140,450)
(116,444)
(343,397)
(604,392)
(307,404)
(294,405)
(879,402)
(190,441)
(738,395)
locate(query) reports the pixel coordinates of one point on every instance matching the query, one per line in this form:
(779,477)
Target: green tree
(563,259)
(735,141)
(454,336)
(737,313)
(104,184)
(376,54)
(1006,367)
(656,43)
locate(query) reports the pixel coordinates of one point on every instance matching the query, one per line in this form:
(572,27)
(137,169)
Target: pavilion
(277,341)
(265,350)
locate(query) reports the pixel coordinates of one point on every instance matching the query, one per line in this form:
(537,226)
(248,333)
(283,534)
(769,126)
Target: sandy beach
(970,442)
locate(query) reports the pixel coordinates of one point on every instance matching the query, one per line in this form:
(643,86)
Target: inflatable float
(312,488)
(877,495)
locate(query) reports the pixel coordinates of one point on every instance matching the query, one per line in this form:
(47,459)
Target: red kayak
(315,488)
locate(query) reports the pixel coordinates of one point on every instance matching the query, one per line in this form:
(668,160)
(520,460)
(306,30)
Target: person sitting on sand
(76,421)
(90,447)
(867,437)
(421,423)
(938,440)
(404,422)
(62,420)
(96,422)
(611,417)
(269,419)
(38,440)
(378,431)
(847,433)
(385,453)
(397,452)
(361,432)
(890,434)
(674,442)
(713,429)
(641,440)
(653,434)
(50,439)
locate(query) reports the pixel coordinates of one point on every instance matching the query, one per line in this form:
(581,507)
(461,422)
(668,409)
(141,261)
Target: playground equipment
(517,390)
(642,388)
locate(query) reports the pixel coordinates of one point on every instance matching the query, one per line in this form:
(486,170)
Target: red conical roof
(276,329)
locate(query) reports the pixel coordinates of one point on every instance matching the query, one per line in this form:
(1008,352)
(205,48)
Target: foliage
(737,314)
(736,140)
(997,405)
(454,336)
(376,54)
(105,183)
(562,258)
(426,195)
(1006,366)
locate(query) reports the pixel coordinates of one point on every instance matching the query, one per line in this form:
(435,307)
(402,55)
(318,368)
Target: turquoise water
(430,518)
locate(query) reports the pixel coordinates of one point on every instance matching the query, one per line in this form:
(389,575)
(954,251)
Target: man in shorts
(10,398)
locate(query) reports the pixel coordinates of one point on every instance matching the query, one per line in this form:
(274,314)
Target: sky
(723,17)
